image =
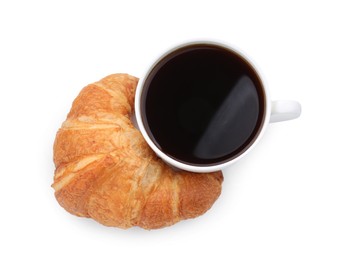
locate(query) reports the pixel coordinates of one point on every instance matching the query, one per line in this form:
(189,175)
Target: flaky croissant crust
(106,171)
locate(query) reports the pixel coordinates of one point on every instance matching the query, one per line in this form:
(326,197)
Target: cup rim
(179,164)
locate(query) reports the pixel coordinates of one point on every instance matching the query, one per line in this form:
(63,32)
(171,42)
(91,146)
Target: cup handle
(282,110)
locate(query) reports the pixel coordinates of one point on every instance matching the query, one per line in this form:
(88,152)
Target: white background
(285,200)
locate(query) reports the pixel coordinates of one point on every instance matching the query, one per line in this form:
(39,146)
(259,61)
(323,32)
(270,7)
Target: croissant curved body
(106,171)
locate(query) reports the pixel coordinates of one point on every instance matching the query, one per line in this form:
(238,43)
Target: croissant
(106,171)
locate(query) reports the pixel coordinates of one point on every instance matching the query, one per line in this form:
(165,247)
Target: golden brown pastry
(106,171)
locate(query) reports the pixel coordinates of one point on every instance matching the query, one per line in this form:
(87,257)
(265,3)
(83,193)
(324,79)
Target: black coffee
(203,104)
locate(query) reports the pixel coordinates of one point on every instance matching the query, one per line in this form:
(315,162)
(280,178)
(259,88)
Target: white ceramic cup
(275,111)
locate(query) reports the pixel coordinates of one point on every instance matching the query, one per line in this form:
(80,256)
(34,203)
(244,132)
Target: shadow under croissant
(106,171)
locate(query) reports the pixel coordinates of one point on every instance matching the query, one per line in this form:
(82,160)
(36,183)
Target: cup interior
(217,117)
